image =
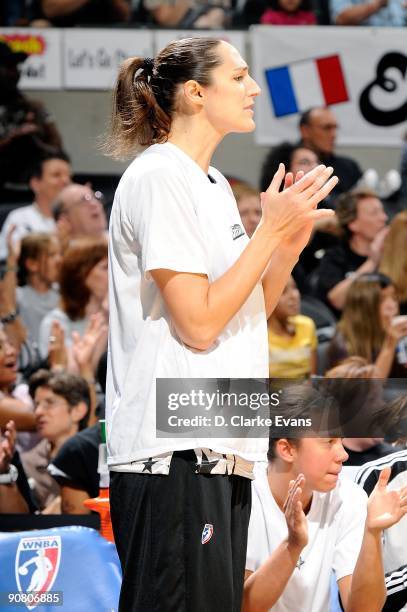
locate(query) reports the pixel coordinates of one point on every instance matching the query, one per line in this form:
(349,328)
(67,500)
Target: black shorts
(181,538)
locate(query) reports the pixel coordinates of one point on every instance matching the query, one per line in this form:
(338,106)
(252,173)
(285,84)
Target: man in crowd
(48,175)
(362,219)
(318,128)
(374,13)
(78,211)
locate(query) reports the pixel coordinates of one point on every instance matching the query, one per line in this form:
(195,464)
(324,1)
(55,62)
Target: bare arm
(396,330)
(337,295)
(199,309)
(366,590)
(11,500)
(18,411)
(60,8)
(264,587)
(72,500)
(354,15)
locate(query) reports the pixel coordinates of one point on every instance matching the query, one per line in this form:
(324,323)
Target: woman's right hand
(296,520)
(397,328)
(291,214)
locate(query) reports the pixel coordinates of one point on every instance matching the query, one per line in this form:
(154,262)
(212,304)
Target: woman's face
(290,6)
(51,262)
(97,280)
(289,303)
(389,306)
(8,362)
(303,159)
(228,102)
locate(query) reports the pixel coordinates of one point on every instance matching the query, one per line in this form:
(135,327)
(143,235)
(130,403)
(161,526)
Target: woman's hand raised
(291,214)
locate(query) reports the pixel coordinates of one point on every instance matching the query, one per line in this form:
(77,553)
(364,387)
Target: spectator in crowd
(318,128)
(61,409)
(370,326)
(292,338)
(394,258)
(248,202)
(306,524)
(48,175)
(300,158)
(15,493)
(187,13)
(362,219)
(26,129)
(38,272)
(78,211)
(65,13)
(294,157)
(394,550)
(83,290)
(14,401)
(352,370)
(289,12)
(75,467)
(403,170)
(373,13)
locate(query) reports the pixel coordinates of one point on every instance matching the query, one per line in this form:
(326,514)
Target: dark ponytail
(144,98)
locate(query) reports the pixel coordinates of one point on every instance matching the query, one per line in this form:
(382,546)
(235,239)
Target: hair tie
(148,66)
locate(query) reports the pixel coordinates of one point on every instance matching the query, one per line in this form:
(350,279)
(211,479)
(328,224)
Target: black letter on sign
(375,115)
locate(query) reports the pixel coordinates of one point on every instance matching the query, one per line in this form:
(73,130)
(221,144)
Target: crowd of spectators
(202,13)
(341,315)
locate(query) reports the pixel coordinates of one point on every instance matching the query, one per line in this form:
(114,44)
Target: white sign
(92,57)
(42,69)
(361,73)
(237,39)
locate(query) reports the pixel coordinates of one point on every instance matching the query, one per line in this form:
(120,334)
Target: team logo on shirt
(237,231)
(207,533)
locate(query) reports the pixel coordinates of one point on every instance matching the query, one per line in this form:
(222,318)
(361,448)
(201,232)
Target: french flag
(306,83)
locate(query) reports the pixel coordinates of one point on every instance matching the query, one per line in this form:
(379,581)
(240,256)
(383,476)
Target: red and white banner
(361,73)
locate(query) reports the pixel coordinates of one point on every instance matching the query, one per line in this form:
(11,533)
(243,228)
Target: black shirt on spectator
(346,169)
(335,266)
(76,463)
(370,454)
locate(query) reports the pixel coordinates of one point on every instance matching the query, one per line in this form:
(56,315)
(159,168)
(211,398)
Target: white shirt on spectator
(27,219)
(335,531)
(168,214)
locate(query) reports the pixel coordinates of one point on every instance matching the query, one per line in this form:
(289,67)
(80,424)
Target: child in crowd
(306,523)
(289,12)
(292,338)
(370,326)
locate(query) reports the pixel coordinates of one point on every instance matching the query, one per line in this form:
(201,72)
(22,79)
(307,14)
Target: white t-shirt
(27,219)
(168,214)
(335,530)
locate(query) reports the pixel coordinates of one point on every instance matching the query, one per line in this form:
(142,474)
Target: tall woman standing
(189,296)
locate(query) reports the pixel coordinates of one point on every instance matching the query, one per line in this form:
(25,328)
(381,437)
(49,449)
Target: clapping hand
(84,346)
(385,507)
(291,213)
(7,446)
(294,514)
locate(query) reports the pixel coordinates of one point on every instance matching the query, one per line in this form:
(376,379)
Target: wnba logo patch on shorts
(207,533)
